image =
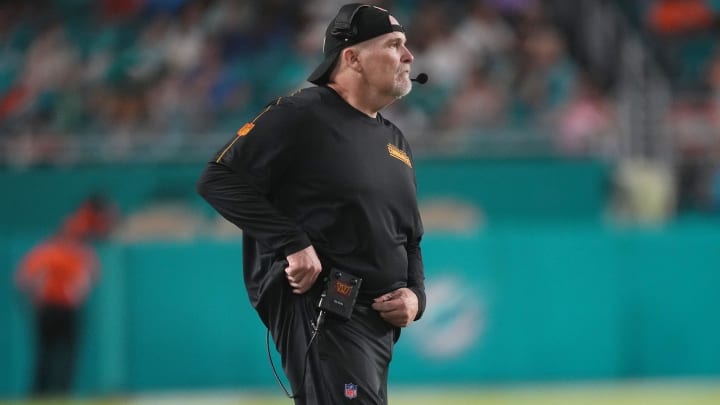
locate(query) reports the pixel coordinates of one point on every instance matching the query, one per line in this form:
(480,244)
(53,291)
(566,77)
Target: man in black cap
(322,185)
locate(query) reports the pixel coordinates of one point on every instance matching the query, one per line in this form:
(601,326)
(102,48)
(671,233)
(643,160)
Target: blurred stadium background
(567,159)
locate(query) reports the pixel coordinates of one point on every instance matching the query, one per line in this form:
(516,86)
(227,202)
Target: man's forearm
(416,276)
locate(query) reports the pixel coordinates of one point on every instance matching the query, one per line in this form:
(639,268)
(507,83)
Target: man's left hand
(398,307)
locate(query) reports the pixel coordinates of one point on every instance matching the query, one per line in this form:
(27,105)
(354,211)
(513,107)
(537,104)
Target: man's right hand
(303,269)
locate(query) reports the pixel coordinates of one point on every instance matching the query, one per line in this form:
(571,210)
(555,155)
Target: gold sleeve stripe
(399,154)
(245,129)
(226,149)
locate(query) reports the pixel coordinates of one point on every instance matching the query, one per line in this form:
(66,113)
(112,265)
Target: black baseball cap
(354,23)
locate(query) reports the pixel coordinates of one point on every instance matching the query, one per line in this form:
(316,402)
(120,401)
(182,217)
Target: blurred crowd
(106,77)
(121,72)
(114,80)
(683,36)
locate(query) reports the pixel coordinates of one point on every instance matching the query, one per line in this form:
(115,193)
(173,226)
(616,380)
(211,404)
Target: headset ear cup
(343,28)
(342,34)
(346,36)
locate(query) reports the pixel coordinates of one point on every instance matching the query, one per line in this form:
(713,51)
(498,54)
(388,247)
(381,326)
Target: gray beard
(402,89)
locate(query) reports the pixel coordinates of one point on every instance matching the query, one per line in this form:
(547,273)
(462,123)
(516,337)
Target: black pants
(56,339)
(348,362)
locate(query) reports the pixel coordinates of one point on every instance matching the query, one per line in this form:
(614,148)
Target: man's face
(386,63)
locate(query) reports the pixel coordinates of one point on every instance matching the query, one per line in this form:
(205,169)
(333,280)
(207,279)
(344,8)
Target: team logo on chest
(399,154)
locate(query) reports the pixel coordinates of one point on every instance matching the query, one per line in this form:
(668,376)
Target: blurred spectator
(484,34)
(479,103)
(587,121)
(669,17)
(545,77)
(120,9)
(694,137)
(683,34)
(695,123)
(713,84)
(645,192)
(435,50)
(183,44)
(57,275)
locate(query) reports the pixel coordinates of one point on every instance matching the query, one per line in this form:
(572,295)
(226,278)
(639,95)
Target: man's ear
(350,58)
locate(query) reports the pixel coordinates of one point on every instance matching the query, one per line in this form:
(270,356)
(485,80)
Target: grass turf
(631,393)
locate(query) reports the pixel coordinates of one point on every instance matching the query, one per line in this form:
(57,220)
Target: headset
(343,28)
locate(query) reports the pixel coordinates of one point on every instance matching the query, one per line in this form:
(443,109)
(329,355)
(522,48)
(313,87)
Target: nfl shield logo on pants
(350,391)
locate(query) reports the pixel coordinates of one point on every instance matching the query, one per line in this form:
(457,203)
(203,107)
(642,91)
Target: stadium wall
(530,300)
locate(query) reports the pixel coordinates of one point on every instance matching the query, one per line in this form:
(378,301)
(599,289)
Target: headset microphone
(421,78)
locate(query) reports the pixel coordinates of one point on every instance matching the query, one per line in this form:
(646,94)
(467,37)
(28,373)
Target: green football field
(631,393)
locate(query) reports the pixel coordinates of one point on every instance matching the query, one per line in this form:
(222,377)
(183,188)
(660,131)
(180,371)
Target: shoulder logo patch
(399,154)
(245,129)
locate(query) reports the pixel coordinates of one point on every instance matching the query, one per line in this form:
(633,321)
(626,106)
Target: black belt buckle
(340,294)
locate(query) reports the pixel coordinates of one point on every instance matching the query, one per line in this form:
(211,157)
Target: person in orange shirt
(670,17)
(57,276)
